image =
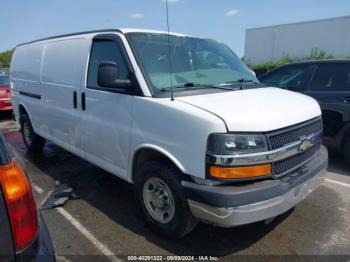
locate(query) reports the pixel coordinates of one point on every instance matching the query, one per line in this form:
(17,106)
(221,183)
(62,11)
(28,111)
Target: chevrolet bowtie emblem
(305,145)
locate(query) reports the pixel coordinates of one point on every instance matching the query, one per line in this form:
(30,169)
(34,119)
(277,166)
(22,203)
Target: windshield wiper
(242,81)
(195,85)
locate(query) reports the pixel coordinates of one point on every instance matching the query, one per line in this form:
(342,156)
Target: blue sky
(225,20)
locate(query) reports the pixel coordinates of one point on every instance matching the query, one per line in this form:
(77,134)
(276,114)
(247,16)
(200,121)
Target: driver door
(107,112)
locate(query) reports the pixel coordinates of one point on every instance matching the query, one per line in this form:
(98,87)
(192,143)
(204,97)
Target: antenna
(169,53)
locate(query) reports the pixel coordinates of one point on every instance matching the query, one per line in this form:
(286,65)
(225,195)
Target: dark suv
(328,81)
(23,233)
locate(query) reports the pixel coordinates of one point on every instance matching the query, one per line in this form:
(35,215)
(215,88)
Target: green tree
(5,58)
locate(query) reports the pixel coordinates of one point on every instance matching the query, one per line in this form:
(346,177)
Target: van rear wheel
(33,142)
(163,205)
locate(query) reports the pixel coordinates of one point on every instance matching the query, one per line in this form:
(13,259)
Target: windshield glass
(193,60)
(4,80)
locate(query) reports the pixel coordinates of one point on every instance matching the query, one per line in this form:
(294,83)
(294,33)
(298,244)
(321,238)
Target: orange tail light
(20,204)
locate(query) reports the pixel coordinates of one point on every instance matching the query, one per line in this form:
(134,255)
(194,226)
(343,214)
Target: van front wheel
(158,190)
(33,142)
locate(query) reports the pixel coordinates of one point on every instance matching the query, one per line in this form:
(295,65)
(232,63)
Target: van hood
(257,110)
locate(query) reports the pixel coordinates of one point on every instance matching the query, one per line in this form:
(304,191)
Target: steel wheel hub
(158,200)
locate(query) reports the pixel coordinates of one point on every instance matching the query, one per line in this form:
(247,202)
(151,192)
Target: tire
(33,142)
(346,150)
(179,220)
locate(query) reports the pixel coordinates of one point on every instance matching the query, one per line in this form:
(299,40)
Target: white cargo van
(225,149)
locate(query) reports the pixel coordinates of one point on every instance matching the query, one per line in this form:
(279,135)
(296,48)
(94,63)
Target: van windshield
(195,62)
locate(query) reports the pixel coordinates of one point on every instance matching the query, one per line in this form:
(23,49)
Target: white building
(298,39)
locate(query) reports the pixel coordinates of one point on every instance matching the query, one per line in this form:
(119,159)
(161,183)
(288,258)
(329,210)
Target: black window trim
(135,89)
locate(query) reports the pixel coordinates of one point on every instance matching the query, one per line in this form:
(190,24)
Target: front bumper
(229,206)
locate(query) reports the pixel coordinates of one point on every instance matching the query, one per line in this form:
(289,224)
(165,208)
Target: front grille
(292,134)
(289,135)
(282,167)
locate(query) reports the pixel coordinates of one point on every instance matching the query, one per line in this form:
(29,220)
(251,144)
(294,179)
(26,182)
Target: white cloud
(232,12)
(171,1)
(137,16)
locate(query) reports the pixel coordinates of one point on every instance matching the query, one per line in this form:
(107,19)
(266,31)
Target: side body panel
(45,77)
(177,129)
(25,76)
(62,67)
(105,130)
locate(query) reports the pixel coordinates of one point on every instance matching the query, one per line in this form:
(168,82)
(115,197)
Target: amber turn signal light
(240,172)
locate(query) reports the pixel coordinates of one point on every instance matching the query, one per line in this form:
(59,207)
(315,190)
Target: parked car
(5,93)
(328,81)
(24,235)
(200,140)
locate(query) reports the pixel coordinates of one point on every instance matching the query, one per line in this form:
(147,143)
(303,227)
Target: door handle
(75,100)
(347,99)
(83,101)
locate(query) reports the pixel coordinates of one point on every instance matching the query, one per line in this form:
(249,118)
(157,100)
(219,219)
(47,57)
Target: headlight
(226,144)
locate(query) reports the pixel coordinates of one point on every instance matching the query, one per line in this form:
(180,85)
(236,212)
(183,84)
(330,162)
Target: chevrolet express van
(221,148)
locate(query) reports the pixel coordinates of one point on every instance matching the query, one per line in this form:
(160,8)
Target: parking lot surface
(102,219)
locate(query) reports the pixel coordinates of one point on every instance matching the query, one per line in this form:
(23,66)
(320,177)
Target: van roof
(121,30)
(138,30)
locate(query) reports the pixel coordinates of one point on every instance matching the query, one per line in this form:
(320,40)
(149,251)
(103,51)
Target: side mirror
(108,76)
(253,73)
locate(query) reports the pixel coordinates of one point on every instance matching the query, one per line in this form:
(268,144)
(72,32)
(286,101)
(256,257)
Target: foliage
(315,54)
(5,58)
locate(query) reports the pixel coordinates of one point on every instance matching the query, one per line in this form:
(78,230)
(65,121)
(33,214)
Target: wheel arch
(146,152)
(333,120)
(22,109)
